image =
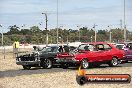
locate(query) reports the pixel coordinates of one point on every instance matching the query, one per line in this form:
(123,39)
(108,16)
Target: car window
(81,47)
(49,49)
(120,47)
(54,49)
(43,50)
(72,48)
(60,49)
(66,48)
(100,47)
(107,47)
(89,47)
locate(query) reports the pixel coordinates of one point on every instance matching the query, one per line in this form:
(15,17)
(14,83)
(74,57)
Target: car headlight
(18,59)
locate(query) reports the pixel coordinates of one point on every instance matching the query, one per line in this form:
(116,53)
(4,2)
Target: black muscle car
(45,58)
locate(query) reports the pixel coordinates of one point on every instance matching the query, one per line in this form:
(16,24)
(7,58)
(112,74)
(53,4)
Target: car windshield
(120,47)
(56,49)
(49,49)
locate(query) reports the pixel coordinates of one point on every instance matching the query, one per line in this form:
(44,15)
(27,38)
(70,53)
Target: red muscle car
(92,54)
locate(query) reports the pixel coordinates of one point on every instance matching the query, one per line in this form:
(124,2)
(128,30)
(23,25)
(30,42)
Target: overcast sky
(71,13)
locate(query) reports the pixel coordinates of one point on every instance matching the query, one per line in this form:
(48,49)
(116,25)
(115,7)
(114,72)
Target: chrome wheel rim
(85,63)
(48,63)
(114,61)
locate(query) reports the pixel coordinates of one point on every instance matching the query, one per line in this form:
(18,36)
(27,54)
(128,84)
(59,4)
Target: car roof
(96,43)
(120,44)
(57,45)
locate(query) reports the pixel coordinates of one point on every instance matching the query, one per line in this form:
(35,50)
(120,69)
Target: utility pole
(24,36)
(2,41)
(110,36)
(121,27)
(124,21)
(95,38)
(121,24)
(46,20)
(2,36)
(79,32)
(68,37)
(67,40)
(61,27)
(57,23)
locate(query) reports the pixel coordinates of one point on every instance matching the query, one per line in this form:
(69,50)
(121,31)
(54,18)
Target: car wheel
(26,67)
(85,63)
(65,66)
(81,80)
(47,63)
(113,62)
(126,61)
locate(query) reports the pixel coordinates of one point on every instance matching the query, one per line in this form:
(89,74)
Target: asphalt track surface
(38,70)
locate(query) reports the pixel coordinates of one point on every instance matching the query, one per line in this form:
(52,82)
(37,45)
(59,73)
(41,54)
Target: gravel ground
(12,76)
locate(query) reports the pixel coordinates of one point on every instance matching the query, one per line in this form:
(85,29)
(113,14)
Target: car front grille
(27,58)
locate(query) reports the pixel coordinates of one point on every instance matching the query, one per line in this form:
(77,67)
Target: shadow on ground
(38,70)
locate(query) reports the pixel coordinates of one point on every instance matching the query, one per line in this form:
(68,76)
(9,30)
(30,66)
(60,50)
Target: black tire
(81,80)
(113,62)
(126,61)
(26,67)
(64,66)
(47,63)
(85,64)
(96,65)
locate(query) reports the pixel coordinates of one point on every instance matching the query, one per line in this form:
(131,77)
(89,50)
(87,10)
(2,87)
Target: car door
(44,52)
(99,52)
(108,53)
(52,53)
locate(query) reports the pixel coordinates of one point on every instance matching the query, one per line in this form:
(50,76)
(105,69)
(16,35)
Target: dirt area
(13,76)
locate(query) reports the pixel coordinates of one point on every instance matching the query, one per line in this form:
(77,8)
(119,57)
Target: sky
(71,13)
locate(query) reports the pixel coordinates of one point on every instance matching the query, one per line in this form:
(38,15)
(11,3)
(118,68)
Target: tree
(35,29)
(25,31)
(117,35)
(13,30)
(36,36)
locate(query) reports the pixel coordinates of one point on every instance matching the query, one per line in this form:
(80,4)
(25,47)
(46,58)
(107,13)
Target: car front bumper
(121,60)
(27,62)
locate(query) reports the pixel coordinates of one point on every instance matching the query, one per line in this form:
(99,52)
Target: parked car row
(87,55)
(127,48)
